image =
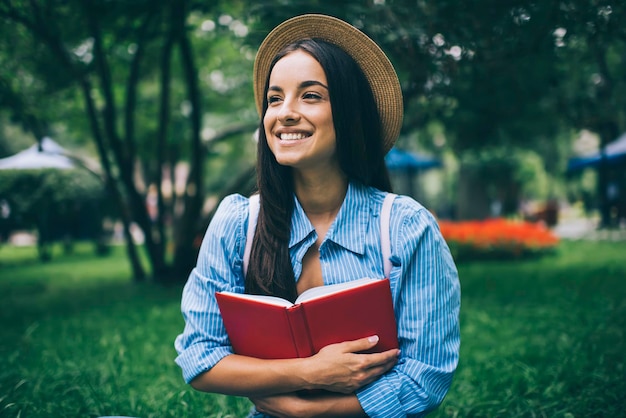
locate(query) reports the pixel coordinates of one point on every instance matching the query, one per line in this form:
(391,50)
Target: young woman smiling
(331,107)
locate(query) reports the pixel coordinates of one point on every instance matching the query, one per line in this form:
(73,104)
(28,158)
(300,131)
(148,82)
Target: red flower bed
(497,238)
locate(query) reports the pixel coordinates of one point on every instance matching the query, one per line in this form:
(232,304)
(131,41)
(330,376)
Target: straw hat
(374,63)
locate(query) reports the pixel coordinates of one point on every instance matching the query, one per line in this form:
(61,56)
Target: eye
(311,96)
(273,99)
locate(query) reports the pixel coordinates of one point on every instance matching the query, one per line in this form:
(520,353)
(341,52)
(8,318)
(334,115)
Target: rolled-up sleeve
(204,340)
(426,293)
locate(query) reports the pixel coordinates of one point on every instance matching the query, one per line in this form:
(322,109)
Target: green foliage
(12,138)
(590,43)
(502,167)
(508,175)
(498,76)
(583,190)
(538,338)
(59,201)
(512,77)
(149,83)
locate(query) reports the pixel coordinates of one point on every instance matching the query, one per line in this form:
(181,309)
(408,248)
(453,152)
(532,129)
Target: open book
(272,328)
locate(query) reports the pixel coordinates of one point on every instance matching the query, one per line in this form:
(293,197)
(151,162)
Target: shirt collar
(301,227)
(349,227)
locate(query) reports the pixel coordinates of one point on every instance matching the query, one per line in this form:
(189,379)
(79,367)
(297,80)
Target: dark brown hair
(359,151)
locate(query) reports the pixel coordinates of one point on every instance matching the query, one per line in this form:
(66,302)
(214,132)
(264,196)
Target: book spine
(300,331)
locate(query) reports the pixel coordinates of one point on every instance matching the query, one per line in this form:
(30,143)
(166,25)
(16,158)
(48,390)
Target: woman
(331,108)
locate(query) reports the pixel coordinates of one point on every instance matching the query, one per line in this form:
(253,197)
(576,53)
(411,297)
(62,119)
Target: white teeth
(292,136)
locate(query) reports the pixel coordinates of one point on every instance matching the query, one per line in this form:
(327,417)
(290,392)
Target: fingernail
(373,339)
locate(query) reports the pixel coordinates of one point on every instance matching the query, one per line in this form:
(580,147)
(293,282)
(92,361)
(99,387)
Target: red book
(269,327)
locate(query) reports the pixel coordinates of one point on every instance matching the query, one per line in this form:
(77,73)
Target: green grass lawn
(540,338)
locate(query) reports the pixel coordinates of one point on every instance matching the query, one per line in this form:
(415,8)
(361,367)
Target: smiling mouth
(293,136)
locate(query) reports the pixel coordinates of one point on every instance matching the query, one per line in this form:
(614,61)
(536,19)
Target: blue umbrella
(399,160)
(613,152)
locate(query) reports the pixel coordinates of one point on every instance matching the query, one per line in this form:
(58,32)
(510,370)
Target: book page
(319,291)
(270,300)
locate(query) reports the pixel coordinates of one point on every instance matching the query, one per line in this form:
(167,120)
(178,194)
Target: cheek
(329,126)
(325,119)
(268,120)
(267,126)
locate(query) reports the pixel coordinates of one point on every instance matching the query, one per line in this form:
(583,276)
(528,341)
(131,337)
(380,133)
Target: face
(299,121)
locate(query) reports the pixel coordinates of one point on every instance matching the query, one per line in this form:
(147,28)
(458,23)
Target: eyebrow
(302,85)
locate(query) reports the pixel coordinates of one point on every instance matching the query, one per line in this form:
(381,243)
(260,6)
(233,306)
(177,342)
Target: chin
(288,162)
(287,159)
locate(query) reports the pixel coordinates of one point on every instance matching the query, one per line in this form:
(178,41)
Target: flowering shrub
(497,238)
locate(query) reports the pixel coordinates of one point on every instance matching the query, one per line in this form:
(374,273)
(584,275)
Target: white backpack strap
(253,214)
(385,240)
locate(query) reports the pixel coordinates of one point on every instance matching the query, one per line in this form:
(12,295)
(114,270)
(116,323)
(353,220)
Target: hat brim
(374,63)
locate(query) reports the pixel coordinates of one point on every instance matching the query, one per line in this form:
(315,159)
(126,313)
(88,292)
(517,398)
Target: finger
(385,359)
(370,374)
(385,366)
(361,344)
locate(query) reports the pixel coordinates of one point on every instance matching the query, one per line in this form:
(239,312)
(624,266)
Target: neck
(321,195)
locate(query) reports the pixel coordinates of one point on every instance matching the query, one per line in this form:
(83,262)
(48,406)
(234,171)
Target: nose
(288,114)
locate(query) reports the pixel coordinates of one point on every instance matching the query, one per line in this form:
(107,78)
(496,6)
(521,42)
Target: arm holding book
(327,370)
(426,294)
(205,354)
(335,368)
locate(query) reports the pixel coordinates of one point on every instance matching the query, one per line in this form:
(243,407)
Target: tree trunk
(472,198)
(608,132)
(606,126)
(139,274)
(194,192)
(41,30)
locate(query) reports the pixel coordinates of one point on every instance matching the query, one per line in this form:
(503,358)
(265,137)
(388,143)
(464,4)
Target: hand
(338,367)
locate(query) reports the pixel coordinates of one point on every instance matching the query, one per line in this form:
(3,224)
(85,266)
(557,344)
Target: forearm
(335,405)
(326,404)
(247,376)
(335,368)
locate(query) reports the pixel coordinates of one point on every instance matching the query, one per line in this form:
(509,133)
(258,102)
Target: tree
(522,74)
(591,40)
(159,83)
(112,52)
(517,74)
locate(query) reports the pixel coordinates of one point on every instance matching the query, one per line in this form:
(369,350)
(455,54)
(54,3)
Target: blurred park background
(123,123)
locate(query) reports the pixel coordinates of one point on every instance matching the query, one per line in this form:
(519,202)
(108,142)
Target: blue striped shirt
(424,285)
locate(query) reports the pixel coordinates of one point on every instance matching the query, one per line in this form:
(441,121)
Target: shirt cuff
(198,359)
(380,399)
